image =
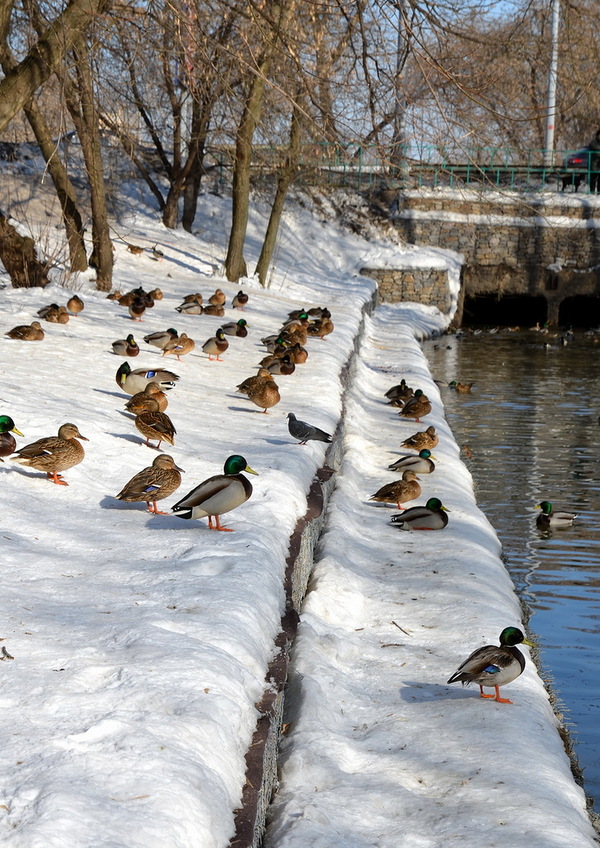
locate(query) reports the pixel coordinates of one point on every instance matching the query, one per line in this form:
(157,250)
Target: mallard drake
(75,304)
(54,453)
(190,307)
(421,464)
(273,341)
(160,339)
(265,393)
(432,516)
(157,253)
(216,311)
(126,347)
(239,300)
(282,365)
(406,489)
(27,332)
(136,381)
(218,494)
(179,347)
(219,298)
(494,666)
(416,407)
(236,328)
(8,443)
(427,439)
(250,382)
(299,322)
(399,392)
(216,345)
(150,400)
(462,388)
(152,484)
(550,520)
(156,425)
(137,307)
(305,432)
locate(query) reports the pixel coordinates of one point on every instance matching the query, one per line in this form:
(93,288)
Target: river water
(530,431)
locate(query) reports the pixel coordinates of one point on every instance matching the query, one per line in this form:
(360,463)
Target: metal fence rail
(480,168)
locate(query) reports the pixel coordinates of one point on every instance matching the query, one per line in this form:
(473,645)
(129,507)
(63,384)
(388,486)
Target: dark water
(531,425)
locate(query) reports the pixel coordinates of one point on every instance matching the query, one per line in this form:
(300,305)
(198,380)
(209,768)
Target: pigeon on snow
(305,432)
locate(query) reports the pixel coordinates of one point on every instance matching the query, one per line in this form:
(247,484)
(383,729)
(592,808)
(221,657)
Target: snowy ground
(140,643)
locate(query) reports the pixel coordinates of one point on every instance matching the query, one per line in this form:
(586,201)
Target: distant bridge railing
(361,167)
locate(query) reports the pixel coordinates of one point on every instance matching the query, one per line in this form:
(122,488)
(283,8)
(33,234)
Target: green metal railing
(361,167)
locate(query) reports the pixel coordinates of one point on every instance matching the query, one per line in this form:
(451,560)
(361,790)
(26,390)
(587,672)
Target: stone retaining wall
(527,246)
(419,285)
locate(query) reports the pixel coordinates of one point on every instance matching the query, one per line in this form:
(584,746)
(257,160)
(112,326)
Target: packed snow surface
(136,645)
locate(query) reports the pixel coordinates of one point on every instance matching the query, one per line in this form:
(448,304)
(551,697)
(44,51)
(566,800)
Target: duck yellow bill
(250,470)
(18,432)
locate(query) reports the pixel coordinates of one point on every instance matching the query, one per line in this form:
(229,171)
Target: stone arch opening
(508,311)
(579,311)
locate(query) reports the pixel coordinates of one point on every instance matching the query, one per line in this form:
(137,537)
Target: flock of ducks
(490,666)
(413,404)
(147,401)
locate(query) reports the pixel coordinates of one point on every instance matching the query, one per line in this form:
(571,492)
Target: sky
(139,644)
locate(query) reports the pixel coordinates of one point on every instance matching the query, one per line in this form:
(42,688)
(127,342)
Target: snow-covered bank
(141,643)
(381,751)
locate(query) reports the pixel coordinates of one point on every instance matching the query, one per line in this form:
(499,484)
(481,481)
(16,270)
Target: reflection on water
(530,433)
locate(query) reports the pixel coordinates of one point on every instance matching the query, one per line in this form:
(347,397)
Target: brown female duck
(156,425)
(406,489)
(54,453)
(152,484)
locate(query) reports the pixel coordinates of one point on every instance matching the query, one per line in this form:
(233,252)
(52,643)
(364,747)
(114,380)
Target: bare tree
(20,83)
(269,31)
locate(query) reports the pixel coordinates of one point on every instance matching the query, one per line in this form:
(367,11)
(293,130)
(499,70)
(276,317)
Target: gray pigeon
(305,432)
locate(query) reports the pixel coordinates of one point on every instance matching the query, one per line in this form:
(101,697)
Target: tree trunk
(63,187)
(235,264)
(18,257)
(287,174)
(20,84)
(62,184)
(86,123)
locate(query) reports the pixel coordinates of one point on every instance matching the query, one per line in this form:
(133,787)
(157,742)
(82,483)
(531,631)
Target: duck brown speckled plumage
(219,298)
(27,332)
(153,483)
(265,393)
(156,425)
(416,407)
(75,304)
(422,440)
(54,453)
(151,399)
(406,489)
(179,347)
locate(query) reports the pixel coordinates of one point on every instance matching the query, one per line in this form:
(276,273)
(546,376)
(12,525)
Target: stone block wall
(418,285)
(525,246)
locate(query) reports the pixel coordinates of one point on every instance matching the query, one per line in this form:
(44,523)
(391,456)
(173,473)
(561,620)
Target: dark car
(575,168)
